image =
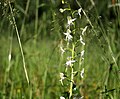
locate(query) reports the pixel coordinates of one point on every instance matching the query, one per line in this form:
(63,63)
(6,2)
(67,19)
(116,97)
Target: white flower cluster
(70,39)
(69,23)
(81,36)
(83,51)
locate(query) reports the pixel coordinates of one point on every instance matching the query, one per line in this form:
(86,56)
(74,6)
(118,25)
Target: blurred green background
(41,26)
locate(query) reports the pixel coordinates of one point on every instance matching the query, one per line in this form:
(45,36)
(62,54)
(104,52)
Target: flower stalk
(72,40)
(72,71)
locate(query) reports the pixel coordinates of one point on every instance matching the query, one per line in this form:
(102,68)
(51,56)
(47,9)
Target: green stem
(23,21)
(72,71)
(36,20)
(20,44)
(71,83)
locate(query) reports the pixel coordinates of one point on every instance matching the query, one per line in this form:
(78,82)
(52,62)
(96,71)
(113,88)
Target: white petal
(79,11)
(61,97)
(68,63)
(81,40)
(9,57)
(84,30)
(82,73)
(82,53)
(62,50)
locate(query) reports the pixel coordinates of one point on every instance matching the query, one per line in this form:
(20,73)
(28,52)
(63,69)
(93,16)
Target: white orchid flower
(70,20)
(68,36)
(70,62)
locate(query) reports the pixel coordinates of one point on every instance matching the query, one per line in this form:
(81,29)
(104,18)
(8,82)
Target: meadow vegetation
(59,49)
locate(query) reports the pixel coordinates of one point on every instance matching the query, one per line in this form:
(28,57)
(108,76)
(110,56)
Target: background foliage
(41,25)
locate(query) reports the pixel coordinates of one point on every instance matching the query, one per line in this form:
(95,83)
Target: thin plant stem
(20,45)
(72,71)
(36,19)
(45,79)
(11,92)
(9,64)
(26,10)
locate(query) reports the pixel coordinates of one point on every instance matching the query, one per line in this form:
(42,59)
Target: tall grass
(40,60)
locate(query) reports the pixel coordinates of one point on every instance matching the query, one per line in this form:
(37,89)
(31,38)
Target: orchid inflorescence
(70,40)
